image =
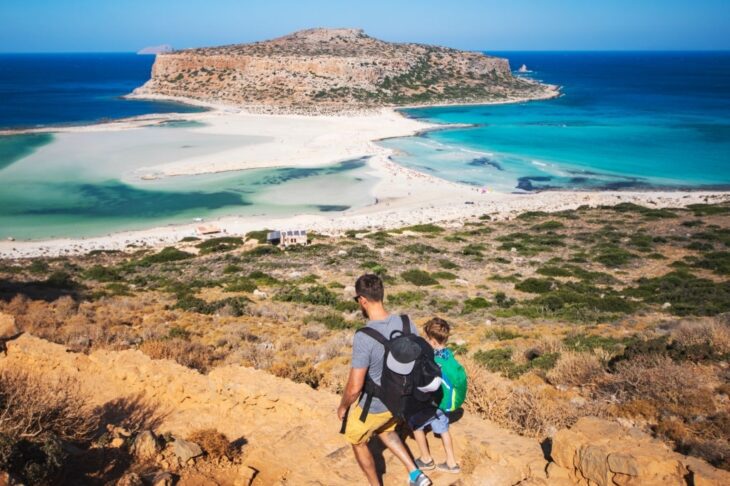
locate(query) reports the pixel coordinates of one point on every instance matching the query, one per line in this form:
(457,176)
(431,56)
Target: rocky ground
(596,342)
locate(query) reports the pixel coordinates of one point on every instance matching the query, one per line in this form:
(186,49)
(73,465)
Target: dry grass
(215,444)
(576,369)
(714,333)
(32,405)
(528,409)
(192,355)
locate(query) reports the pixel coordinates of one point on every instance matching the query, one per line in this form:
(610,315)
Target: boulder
(145,446)
(603,453)
(185,450)
(7,326)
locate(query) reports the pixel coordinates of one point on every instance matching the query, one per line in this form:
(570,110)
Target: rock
(185,450)
(116,443)
(7,326)
(163,478)
(461,281)
(130,479)
(666,305)
(605,453)
(260,294)
(342,253)
(146,446)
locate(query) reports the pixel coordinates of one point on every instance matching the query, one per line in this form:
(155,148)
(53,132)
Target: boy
(437,335)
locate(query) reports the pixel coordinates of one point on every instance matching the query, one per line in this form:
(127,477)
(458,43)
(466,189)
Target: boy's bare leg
(422,442)
(449,448)
(392,441)
(367,463)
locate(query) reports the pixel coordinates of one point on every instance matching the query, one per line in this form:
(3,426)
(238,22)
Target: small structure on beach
(288,238)
(207,229)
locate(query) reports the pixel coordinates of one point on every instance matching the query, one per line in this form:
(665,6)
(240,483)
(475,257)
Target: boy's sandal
(425,466)
(445,468)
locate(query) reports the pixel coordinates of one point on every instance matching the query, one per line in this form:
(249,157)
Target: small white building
(287,238)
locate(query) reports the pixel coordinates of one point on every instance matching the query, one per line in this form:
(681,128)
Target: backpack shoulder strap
(406,324)
(369,331)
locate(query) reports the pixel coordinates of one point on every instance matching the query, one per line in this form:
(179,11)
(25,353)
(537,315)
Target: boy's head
(438,330)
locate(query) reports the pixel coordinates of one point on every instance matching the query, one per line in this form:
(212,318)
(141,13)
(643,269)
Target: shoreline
(401,196)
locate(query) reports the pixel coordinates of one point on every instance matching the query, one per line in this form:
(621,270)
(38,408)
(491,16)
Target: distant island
(329,70)
(151,50)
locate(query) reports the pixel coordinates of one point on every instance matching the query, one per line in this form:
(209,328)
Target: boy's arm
(355,383)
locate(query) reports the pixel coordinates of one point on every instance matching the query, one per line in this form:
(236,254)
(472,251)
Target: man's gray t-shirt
(368,353)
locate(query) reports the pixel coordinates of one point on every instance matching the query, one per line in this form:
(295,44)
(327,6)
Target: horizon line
(468,50)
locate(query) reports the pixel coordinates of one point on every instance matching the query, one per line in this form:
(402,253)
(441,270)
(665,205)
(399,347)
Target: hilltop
(335,70)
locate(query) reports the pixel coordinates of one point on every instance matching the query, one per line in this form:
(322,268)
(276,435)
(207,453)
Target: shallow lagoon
(89,183)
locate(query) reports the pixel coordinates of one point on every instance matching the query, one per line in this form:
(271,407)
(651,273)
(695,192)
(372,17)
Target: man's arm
(355,383)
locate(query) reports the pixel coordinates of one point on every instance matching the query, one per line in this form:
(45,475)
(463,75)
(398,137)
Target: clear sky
(128,25)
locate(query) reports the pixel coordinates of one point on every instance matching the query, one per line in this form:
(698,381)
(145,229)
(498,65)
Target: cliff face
(334,69)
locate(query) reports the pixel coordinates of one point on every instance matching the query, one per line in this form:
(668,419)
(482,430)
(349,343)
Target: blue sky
(127,25)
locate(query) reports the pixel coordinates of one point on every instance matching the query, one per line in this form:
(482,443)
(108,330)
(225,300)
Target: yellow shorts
(358,432)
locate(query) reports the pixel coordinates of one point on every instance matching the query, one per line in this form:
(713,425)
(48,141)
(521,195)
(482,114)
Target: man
(367,359)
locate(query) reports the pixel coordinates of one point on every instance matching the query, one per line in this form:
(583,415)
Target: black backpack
(399,392)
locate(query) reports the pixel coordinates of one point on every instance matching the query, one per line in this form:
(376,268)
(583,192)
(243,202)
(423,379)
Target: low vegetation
(556,316)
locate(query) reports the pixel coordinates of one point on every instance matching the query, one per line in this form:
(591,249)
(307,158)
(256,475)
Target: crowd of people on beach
(400,382)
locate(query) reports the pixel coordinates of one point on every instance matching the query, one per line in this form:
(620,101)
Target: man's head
(437,330)
(369,293)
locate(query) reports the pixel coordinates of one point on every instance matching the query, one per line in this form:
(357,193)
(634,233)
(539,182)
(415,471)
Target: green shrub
(686,293)
(425,228)
(458,349)
(532,215)
(473,249)
(613,256)
(500,361)
(406,298)
(334,321)
(551,271)
(236,306)
(551,225)
(477,303)
(189,239)
(418,277)
(260,236)
(38,266)
(101,273)
(588,342)
(708,209)
(315,295)
(374,267)
(241,285)
(420,249)
(61,280)
(263,251)
(447,264)
(167,254)
(220,245)
(718,262)
(178,333)
(444,276)
(262,278)
(536,285)
(503,301)
(231,268)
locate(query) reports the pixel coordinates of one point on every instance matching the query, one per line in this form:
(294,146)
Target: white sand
(403,196)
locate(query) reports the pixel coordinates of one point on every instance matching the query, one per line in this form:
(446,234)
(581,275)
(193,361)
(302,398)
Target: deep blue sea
(50,89)
(624,120)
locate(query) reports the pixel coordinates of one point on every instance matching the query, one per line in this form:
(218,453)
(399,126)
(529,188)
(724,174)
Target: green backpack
(454,381)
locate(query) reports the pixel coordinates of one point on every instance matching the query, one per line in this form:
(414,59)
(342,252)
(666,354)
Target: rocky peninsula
(335,70)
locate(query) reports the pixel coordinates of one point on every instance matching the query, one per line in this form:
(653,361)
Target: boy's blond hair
(438,330)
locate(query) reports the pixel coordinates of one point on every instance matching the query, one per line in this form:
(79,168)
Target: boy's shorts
(438,421)
(357,432)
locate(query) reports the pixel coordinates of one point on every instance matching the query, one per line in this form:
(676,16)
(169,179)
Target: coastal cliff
(329,70)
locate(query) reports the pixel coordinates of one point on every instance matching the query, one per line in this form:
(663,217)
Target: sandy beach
(400,196)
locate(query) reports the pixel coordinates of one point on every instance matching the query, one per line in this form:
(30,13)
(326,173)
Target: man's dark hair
(371,287)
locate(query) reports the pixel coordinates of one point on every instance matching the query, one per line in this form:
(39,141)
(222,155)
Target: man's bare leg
(392,441)
(367,463)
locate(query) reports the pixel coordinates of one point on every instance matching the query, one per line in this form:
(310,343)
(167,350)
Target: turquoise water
(89,184)
(625,120)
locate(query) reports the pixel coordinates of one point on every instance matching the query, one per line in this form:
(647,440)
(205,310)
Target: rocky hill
(335,69)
